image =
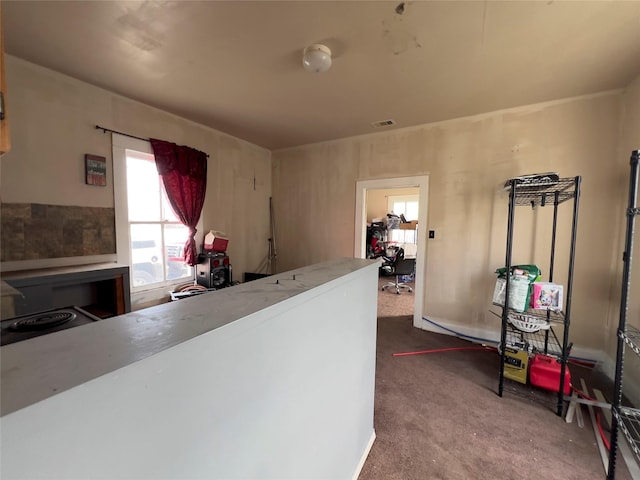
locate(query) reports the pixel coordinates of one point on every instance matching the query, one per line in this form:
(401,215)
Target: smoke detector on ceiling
(383,123)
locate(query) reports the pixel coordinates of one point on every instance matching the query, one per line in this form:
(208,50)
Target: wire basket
(527,323)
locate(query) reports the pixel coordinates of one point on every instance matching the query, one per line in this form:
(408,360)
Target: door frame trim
(420,181)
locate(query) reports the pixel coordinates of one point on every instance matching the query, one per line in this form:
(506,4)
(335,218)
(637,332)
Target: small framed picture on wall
(95,168)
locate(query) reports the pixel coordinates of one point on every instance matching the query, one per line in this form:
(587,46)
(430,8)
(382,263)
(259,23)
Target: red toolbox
(544,372)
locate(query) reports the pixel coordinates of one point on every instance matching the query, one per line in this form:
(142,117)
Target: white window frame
(413,240)
(120,144)
(391,199)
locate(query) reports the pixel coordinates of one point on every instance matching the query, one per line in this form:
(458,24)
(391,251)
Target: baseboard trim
(589,354)
(479,335)
(493,336)
(631,388)
(365,454)
(439,325)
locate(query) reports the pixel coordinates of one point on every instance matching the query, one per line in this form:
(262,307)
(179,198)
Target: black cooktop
(41,323)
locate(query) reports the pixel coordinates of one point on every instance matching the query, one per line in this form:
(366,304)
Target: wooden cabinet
(5,140)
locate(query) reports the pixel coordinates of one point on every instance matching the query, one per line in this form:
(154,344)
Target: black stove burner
(36,324)
(42,321)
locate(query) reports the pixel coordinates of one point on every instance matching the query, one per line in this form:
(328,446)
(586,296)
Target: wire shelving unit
(626,419)
(533,194)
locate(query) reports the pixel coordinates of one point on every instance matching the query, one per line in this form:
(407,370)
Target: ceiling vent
(383,123)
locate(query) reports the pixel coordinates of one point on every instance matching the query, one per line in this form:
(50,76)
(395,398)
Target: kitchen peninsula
(268,379)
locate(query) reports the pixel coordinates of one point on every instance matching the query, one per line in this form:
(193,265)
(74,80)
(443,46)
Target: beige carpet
(438,416)
(391,304)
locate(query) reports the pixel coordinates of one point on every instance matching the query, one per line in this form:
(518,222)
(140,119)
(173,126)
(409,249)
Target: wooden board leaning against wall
(5,142)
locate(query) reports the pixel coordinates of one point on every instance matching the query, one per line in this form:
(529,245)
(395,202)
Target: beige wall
(629,140)
(468,161)
(53,118)
(378,201)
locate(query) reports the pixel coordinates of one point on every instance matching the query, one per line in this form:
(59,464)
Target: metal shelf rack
(539,194)
(534,194)
(629,422)
(542,341)
(632,338)
(550,316)
(626,419)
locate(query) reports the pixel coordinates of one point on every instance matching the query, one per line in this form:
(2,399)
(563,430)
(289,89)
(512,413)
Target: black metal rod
(105,130)
(552,258)
(554,230)
(505,310)
(627,257)
(567,314)
(546,342)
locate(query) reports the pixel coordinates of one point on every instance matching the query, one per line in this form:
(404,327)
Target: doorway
(420,182)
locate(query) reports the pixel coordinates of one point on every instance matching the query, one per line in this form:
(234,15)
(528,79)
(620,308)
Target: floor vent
(383,123)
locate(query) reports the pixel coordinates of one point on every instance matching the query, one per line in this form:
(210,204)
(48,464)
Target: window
(406,205)
(156,235)
(150,238)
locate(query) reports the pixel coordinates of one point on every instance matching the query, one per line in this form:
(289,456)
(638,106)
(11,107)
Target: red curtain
(184,174)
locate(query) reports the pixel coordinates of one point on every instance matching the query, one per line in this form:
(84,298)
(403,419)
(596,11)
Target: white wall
(52,126)
(286,392)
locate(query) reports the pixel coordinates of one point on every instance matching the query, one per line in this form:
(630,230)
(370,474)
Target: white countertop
(36,369)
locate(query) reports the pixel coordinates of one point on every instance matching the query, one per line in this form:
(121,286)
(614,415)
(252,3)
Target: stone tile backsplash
(31,231)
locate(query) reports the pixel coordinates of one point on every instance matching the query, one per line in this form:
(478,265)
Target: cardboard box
(412,225)
(515,364)
(215,241)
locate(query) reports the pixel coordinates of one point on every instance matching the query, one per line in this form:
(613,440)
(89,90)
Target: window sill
(154,296)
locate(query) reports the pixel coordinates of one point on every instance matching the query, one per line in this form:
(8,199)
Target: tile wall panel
(31,231)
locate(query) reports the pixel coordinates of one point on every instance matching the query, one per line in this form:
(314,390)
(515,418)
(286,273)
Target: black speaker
(213,270)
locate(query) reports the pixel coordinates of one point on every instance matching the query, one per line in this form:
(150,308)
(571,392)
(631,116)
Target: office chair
(402,266)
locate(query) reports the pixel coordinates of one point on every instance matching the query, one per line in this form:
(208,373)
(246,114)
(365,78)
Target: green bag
(532,272)
(520,292)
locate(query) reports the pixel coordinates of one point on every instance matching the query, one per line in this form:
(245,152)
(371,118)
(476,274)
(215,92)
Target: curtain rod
(105,130)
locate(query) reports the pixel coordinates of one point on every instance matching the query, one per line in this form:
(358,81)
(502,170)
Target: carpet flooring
(438,416)
(392,304)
